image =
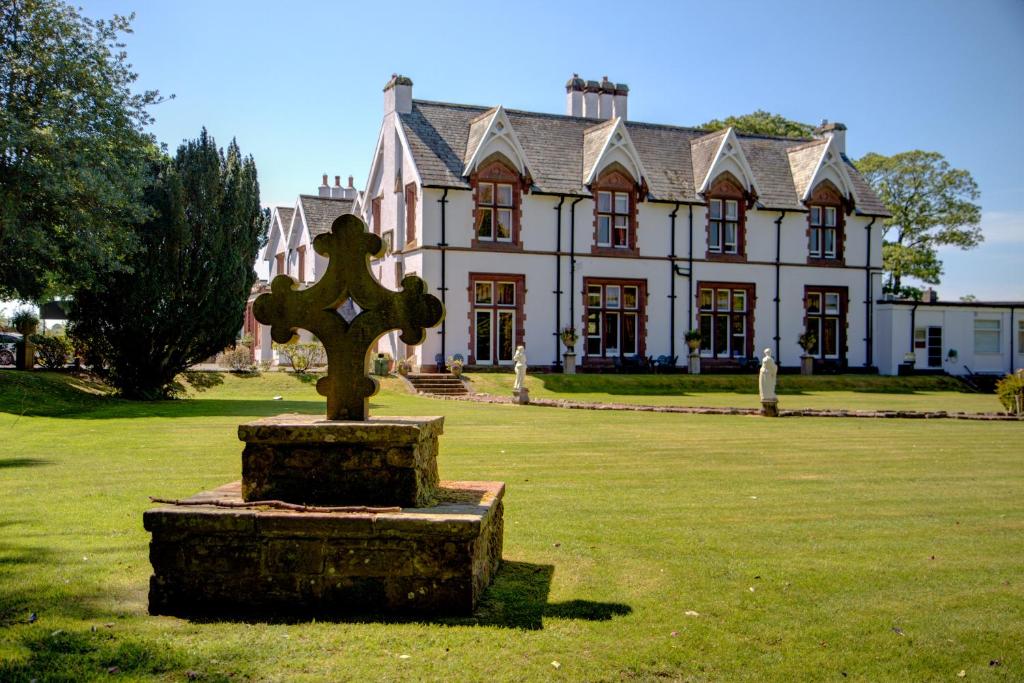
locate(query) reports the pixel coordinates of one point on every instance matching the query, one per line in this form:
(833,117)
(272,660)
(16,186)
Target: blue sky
(299,84)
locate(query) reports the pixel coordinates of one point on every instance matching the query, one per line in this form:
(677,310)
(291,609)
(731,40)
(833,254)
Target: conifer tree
(184,297)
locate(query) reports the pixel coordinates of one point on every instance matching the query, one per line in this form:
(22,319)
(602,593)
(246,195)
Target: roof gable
(280,222)
(609,143)
(729,158)
(490,133)
(315,215)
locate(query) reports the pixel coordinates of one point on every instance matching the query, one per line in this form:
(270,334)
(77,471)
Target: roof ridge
(327,199)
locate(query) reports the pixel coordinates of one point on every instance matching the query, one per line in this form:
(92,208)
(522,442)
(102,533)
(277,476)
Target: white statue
(520,360)
(766,380)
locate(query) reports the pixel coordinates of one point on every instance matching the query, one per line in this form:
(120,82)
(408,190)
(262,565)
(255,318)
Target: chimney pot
(351,182)
(325,180)
(337,181)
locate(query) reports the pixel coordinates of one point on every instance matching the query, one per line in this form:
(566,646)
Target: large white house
(633,233)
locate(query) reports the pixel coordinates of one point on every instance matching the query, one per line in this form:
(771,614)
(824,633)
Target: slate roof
(557,147)
(284,216)
(321,212)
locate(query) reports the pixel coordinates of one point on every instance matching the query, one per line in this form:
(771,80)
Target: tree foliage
(72,147)
(761,122)
(931,205)
(184,299)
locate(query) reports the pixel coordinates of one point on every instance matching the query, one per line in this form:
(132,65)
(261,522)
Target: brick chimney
(574,96)
(351,182)
(836,131)
(325,189)
(398,95)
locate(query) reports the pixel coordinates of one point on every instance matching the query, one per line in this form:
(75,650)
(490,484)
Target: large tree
(72,147)
(931,205)
(184,297)
(763,123)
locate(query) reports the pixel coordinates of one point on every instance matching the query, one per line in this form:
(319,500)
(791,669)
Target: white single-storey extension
(958,337)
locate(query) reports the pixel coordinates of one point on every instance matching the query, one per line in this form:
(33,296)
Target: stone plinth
(770,407)
(305,459)
(219,561)
(569,365)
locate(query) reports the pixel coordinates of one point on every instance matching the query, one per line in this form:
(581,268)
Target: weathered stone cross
(326,309)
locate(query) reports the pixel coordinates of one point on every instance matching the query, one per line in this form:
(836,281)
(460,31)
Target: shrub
(52,352)
(1010,390)
(807,341)
(237,359)
(302,355)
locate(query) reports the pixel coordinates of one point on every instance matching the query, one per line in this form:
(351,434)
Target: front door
(935,346)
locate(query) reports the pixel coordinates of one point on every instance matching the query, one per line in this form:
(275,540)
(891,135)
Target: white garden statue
(766,380)
(520,360)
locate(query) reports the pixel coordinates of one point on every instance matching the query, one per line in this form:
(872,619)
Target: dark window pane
(484,223)
(506,293)
(706,298)
(483,293)
(483,336)
(831,334)
(486,193)
(705,333)
(721,335)
(611,332)
(505,335)
(629,333)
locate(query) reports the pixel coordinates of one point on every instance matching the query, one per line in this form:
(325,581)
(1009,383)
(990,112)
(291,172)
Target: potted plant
(405,365)
(692,339)
(454,366)
(25,322)
(807,341)
(569,338)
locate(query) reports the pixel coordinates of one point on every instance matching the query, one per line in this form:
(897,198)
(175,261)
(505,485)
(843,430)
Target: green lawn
(808,548)
(849,392)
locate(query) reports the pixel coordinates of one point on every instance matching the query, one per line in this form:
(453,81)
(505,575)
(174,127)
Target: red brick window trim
(615,224)
(375,214)
(614,318)
(825,316)
(497,324)
(727,220)
(725,319)
(302,263)
(826,234)
(497,207)
(410,216)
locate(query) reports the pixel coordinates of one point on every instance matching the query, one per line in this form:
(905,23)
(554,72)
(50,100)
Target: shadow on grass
(517,599)
(8,463)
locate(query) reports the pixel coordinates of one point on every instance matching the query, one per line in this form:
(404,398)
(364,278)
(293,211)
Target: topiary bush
(1010,390)
(302,356)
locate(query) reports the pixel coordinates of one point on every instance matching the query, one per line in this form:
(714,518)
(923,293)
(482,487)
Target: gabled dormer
(828,164)
(609,143)
(492,133)
(727,158)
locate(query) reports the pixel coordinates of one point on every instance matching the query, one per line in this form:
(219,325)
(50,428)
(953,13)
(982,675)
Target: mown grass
(850,392)
(876,550)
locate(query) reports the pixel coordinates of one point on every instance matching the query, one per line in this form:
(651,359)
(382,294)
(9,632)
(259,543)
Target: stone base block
(383,461)
(770,407)
(224,562)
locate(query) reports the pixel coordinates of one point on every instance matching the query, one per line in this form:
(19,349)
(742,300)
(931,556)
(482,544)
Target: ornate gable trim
(498,137)
(831,167)
(617,148)
(729,158)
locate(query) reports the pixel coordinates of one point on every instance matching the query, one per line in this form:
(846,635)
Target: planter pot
(806,365)
(693,345)
(569,363)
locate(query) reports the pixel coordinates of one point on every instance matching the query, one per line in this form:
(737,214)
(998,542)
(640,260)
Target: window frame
(411,198)
(826,222)
(615,183)
(997,330)
(817,321)
(491,176)
(716,308)
(620,318)
(497,310)
(726,220)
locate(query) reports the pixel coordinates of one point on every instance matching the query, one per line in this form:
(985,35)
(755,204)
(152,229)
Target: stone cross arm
(348,339)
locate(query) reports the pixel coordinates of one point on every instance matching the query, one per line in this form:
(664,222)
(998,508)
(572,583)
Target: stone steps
(437,383)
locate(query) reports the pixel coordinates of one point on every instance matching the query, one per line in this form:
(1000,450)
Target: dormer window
(613,219)
(726,227)
(497,210)
(825,220)
(494,208)
(823,232)
(723,233)
(615,197)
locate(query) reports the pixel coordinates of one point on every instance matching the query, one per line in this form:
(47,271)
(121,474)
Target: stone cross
(326,309)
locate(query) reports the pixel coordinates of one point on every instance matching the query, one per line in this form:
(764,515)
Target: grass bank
(639,546)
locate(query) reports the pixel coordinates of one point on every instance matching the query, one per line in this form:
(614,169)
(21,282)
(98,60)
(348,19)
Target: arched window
(727,214)
(497,197)
(825,226)
(615,199)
